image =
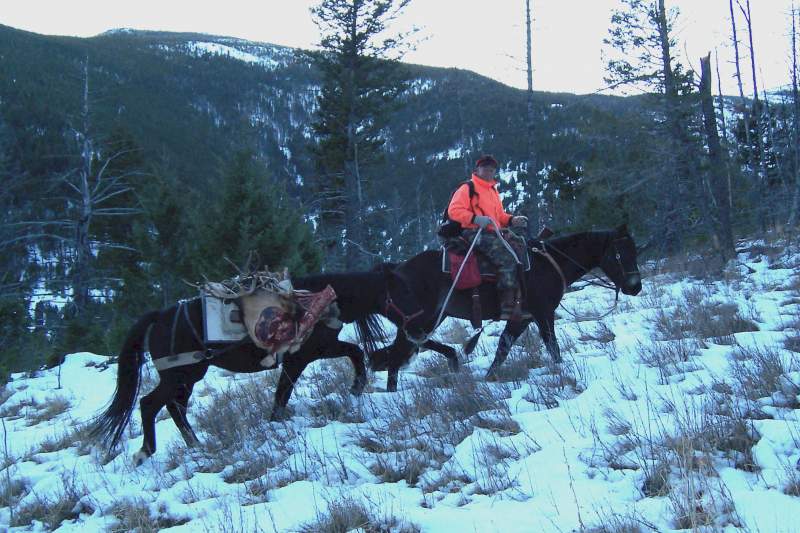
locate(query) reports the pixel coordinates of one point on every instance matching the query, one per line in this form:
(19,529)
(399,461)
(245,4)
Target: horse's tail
(370,333)
(109,425)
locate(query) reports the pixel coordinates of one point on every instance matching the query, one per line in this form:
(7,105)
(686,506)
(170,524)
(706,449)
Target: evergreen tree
(254,213)
(643,45)
(360,86)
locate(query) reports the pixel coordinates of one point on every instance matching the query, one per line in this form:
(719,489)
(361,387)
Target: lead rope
(455,280)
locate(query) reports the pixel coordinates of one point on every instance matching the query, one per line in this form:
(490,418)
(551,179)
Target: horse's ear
(622,230)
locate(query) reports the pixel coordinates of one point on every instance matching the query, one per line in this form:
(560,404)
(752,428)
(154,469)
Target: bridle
(389,306)
(599,281)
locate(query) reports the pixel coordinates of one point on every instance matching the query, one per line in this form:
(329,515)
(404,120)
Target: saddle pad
(470,275)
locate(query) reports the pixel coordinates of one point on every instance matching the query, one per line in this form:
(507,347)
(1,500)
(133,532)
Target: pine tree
(253,213)
(642,37)
(360,86)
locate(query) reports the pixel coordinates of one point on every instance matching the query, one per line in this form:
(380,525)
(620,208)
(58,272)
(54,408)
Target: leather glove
(481,220)
(519,220)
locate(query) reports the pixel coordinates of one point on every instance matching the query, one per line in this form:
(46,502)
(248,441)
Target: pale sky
(486,36)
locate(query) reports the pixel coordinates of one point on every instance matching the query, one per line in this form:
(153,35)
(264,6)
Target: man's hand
(482,221)
(519,220)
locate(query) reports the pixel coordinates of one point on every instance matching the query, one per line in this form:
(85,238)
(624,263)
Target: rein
(599,283)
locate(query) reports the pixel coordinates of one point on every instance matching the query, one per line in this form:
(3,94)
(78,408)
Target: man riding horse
(475,204)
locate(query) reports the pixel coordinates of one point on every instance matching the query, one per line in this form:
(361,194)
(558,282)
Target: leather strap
(555,266)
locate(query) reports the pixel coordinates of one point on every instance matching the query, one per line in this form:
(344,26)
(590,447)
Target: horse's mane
(564,241)
(344,283)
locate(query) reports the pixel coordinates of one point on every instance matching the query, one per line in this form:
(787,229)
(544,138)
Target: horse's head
(619,262)
(401,305)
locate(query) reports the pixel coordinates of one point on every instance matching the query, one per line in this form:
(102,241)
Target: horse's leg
(291,369)
(177,409)
(391,377)
(447,351)
(400,353)
(547,331)
(149,406)
(356,356)
(509,336)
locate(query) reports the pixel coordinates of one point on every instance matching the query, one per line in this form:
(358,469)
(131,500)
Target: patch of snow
(566,467)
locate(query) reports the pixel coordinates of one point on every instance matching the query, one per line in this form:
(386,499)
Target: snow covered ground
(676,411)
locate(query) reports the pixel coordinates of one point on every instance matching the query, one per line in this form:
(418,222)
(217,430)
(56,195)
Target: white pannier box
(222,321)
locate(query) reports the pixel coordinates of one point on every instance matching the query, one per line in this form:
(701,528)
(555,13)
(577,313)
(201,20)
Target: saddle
(477,270)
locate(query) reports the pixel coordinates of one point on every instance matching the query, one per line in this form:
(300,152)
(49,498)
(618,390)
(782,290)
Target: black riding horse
(179,329)
(573,256)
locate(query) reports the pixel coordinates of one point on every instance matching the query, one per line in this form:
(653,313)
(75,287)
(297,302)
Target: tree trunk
(761,196)
(796,126)
(675,195)
(724,134)
(533,185)
(745,109)
(719,212)
(749,20)
(83,251)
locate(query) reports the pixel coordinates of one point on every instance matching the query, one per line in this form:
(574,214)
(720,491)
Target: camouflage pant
(496,252)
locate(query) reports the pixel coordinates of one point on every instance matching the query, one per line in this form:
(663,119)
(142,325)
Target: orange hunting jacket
(486,201)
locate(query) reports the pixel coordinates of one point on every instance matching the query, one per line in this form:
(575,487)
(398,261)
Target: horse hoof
(357,389)
(140,457)
(492,376)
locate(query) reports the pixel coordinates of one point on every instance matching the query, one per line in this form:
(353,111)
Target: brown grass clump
(349,514)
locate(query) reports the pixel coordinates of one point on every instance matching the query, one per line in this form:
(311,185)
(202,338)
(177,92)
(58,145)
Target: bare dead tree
(716,183)
(721,100)
(745,9)
(533,185)
(90,188)
(796,126)
(737,64)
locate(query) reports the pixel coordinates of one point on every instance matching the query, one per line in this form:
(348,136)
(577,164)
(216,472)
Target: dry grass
(136,515)
(418,430)
(601,334)
(349,513)
(53,509)
(670,358)
(515,369)
(696,314)
(48,411)
(613,522)
(761,372)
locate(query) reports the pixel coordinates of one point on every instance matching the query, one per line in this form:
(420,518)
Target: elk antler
(245,284)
